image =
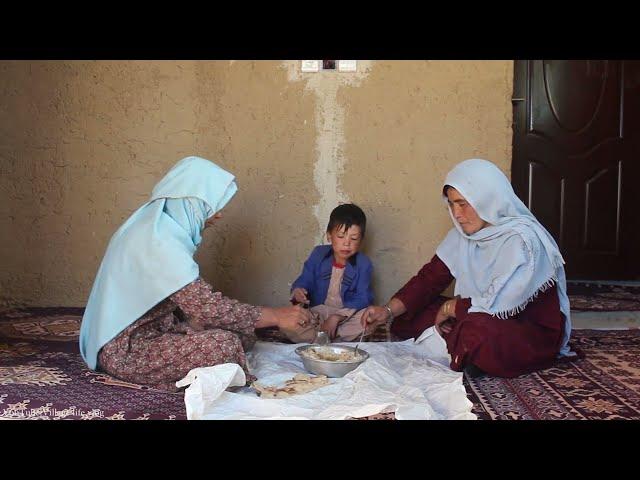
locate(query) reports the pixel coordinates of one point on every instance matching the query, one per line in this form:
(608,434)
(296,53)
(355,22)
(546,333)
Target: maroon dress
(522,343)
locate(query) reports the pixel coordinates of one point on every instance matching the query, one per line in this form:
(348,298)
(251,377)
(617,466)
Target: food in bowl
(330,355)
(331,360)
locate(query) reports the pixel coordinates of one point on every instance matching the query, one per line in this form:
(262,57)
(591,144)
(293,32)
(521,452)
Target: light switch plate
(347,65)
(310,65)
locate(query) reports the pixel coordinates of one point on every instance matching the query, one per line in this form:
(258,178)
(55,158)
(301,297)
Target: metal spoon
(361,335)
(322,338)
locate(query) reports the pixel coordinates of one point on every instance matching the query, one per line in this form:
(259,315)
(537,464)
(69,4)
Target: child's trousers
(349,328)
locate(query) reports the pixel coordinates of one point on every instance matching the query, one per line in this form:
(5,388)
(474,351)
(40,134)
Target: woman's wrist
(450,308)
(389,312)
(267,318)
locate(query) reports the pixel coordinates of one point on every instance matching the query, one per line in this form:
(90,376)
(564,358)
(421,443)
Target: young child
(336,280)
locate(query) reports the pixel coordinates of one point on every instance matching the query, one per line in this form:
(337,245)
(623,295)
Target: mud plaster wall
(82,144)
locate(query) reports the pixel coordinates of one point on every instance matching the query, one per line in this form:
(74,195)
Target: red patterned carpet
(604,298)
(42,376)
(604,385)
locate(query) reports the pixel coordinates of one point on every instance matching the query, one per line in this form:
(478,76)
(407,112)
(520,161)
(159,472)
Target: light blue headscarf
(505,265)
(151,255)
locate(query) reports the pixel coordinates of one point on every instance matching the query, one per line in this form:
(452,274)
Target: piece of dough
(301,383)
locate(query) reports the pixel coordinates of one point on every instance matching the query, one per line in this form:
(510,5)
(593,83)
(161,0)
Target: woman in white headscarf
(150,317)
(510,315)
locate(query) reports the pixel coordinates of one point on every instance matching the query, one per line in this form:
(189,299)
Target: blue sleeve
(306,279)
(364,290)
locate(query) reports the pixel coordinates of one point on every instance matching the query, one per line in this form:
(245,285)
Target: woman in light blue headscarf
(511,313)
(150,318)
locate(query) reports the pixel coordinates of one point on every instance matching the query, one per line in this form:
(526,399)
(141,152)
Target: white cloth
(505,265)
(398,377)
(434,346)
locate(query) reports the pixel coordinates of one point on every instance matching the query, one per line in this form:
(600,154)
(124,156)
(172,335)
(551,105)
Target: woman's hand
(447,312)
(373,316)
(290,318)
(300,295)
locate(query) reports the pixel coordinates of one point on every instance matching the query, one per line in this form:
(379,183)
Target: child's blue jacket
(356,290)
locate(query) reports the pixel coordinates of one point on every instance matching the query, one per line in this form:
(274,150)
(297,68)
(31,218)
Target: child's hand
(300,295)
(330,325)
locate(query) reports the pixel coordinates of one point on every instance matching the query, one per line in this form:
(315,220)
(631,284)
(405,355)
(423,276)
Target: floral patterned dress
(194,327)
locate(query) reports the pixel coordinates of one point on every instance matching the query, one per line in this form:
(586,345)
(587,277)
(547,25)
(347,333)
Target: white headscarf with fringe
(505,265)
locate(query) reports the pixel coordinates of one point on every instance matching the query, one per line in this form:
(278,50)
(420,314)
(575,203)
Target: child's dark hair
(346,215)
